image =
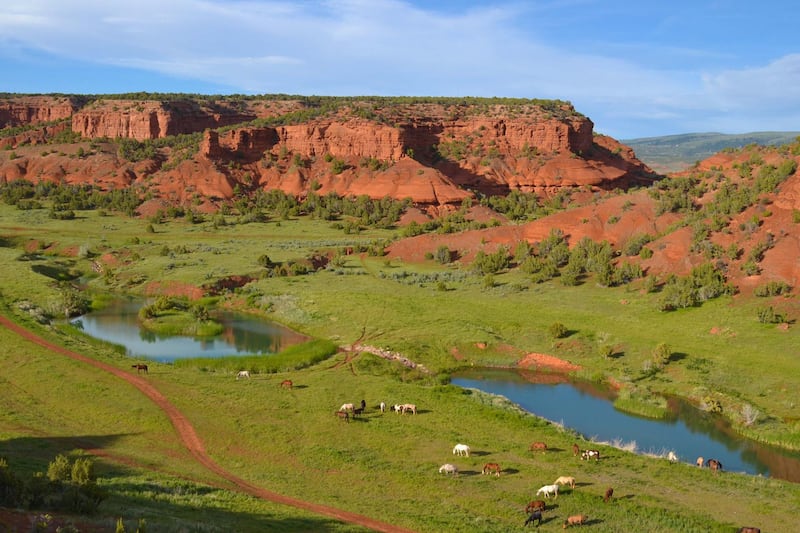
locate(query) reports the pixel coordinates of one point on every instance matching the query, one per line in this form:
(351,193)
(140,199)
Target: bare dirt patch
(548,362)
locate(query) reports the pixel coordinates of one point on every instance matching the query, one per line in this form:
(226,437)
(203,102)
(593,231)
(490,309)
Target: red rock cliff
(25,110)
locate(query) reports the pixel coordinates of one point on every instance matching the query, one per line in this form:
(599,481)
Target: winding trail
(194,445)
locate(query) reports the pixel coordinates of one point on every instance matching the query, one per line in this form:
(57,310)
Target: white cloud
(391,47)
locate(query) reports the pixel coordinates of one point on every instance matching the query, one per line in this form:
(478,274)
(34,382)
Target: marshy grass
(294,357)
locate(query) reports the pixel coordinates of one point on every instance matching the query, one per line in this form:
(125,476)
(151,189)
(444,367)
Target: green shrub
(557,330)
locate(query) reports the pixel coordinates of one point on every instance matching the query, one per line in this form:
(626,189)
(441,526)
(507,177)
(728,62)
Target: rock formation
(434,152)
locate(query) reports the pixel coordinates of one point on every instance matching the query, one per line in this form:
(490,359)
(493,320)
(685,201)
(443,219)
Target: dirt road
(192,441)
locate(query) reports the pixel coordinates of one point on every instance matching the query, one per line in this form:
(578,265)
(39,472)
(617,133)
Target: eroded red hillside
(435,153)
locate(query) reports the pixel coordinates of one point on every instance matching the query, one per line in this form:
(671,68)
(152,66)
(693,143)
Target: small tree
(661,354)
(606,351)
(443,254)
(557,330)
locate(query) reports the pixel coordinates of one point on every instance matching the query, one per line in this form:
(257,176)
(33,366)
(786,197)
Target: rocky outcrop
(27,110)
(148,119)
(436,153)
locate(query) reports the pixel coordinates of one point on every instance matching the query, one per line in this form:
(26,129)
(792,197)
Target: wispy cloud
(394,47)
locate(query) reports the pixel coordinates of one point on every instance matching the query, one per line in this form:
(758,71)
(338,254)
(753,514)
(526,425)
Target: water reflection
(242,335)
(588,409)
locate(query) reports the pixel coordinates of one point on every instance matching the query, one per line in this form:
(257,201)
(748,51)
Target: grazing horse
(547,490)
(243,374)
(461,449)
(538,446)
(575,520)
(409,407)
(491,467)
(609,493)
(535,516)
(448,468)
(672,457)
(700,461)
(139,367)
(535,505)
(347,407)
(576,451)
(747,529)
(363,404)
(287,384)
(343,415)
(397,408)
(588,454)
(383,407)
(714,465)
(357,411)
(565,480)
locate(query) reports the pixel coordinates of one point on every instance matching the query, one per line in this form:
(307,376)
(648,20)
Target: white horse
(461,449)
(347,407)
(243,374)
(448,468)
(672,457)
(547,490)
(383,407)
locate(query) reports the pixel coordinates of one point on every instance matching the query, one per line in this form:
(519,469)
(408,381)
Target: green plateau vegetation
(439,314)
(671,153)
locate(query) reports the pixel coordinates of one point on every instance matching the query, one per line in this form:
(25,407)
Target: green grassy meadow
(383,465)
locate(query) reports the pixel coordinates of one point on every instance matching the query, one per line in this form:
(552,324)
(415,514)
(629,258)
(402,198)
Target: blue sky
(636,68)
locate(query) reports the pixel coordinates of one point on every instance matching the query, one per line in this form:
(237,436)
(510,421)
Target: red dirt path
(194,445)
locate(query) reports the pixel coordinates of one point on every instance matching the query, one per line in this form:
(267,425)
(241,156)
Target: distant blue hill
(677,152)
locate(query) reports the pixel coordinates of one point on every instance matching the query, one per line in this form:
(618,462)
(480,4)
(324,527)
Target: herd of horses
(533,509)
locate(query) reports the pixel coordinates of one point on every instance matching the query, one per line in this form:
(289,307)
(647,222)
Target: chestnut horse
(535,505)
(491,467)
(538,446)
(714,465)
(287,384)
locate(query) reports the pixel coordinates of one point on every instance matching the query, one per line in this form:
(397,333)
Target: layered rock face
(22,111)
(434,153)
(143,120)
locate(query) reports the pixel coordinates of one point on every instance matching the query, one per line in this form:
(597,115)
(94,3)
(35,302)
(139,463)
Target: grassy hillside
(443,315)
(671,153)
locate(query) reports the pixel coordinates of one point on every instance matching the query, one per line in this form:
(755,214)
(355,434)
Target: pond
(588,409)
(242,335)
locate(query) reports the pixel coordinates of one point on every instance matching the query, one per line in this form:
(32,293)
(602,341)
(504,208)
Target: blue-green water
(243,335)
(589,410)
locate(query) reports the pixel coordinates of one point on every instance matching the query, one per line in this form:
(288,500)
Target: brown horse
(287,384)
(535,505)
(488,468)
(139,367)
(541,446)
(576,451)
(608,495)
(714,465)
(343,415)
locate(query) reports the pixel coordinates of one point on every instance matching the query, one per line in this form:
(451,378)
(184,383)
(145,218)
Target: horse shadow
(510,471)
(296,387)
(478,453)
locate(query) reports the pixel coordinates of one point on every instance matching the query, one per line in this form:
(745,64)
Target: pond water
(588,409)
(243,335)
